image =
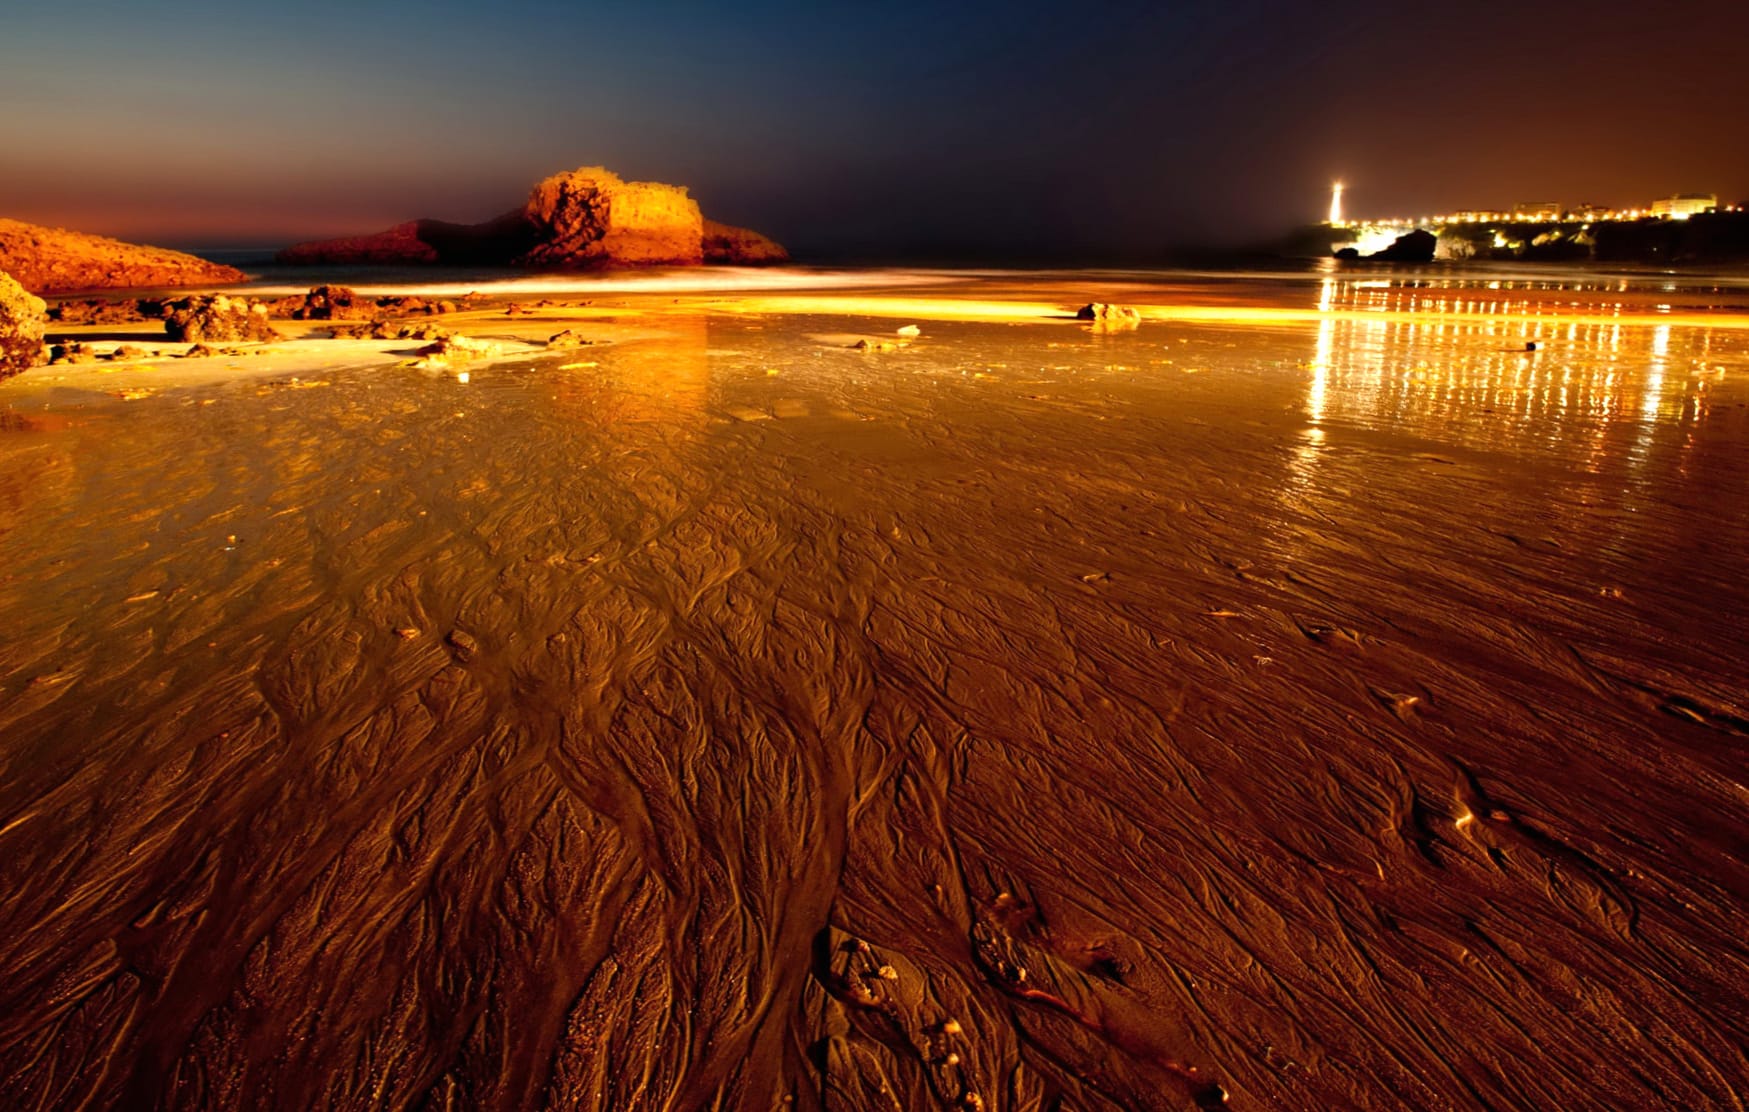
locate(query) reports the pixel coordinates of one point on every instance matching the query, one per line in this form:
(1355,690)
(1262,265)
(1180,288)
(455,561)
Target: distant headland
(1685,229)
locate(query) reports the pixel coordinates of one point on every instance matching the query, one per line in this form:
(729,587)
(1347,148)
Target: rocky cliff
(54,260)
(579,219)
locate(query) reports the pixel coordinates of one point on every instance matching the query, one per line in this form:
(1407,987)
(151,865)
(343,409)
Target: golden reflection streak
(974,309)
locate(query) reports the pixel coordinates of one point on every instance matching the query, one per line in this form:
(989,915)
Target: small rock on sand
(1109,316)
(567,339)
(463,645)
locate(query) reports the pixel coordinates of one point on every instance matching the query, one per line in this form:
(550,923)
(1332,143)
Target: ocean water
(1328,694)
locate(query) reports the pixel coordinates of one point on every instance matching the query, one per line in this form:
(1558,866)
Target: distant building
(1684,205)
(1536,210)
(1590,212)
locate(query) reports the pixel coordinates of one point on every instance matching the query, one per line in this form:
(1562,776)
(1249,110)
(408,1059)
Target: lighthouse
(1336,204)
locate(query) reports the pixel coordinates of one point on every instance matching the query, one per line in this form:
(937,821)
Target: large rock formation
(589,217)
(21,327)
(54,260)
(579,219)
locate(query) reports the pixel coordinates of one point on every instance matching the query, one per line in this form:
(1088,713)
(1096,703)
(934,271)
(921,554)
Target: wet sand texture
(983,725)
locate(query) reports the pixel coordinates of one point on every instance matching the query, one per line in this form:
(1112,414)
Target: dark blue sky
(902,128)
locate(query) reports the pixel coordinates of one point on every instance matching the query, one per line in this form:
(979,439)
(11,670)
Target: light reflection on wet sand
(1343,712)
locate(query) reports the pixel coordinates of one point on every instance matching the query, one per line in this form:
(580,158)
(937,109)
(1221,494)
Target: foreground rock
(54,260)
(453,351)
(1109,316)
(580,219)
(199,320)
(21,327)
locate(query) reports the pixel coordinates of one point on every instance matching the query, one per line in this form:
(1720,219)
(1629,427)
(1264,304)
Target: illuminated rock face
(580,219)
(587,217)
(54,260)
(21,327)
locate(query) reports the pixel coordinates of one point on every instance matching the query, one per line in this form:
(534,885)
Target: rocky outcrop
(54,260)
(335,303)
(588,217)
(1412,247)
(22,315)
(580,219)
(400,244)
(420,243)
(725,245)
(198,320)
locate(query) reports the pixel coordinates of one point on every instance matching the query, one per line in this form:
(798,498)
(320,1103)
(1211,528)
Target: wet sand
(1339,707)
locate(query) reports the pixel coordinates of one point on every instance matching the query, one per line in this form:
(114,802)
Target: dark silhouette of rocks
(55,260)
(200,320)
(22,315)
(1411,247)
(726,245)
(97,310)
(420,242)
(579,219)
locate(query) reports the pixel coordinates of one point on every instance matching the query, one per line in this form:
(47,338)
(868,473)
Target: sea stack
(581,219)
(588,217)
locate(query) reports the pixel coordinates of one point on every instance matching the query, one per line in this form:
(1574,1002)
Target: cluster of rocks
(387,330)
(344,303)
(218,318)
(98,310)
(582,218)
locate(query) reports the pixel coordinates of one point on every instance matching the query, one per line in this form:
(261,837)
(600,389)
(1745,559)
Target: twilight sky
(1018,128)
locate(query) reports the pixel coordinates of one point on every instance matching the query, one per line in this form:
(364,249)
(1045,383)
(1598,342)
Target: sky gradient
(905,129)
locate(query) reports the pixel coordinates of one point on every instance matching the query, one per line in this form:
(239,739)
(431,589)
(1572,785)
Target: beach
(1328,693)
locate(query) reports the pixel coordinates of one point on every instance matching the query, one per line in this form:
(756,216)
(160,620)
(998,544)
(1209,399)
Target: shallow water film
(1338,711)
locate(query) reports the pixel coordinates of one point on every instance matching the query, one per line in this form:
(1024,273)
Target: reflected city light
(1414,353)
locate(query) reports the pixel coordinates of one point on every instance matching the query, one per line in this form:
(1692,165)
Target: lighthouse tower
(1336,204)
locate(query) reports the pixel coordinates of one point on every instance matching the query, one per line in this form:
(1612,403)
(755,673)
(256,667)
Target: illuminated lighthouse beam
(1336,204)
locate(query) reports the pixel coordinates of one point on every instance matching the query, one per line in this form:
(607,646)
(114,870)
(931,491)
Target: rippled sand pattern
(1323,716)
